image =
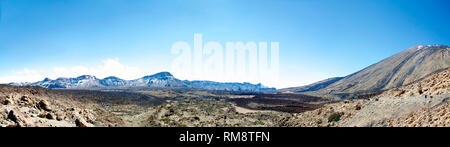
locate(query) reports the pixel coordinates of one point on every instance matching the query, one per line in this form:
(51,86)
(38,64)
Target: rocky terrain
(39,107)
(437,116)
(210,113)
(421,103)
(42,107)
(380,112)
(330,115)
(435,84)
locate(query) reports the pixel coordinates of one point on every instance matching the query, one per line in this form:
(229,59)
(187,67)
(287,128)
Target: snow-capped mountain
(159,80)
(80,82)
(113,81)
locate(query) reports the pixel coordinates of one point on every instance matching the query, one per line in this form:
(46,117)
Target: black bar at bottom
(213,136)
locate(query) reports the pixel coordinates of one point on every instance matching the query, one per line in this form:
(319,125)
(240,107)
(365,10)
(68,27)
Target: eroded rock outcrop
(19,118)
(28,107)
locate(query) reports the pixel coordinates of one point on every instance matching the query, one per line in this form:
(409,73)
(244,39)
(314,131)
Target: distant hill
(159,80)
(406,67)
(312,87)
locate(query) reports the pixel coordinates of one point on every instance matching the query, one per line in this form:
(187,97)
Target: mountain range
(408,66)
(159,80)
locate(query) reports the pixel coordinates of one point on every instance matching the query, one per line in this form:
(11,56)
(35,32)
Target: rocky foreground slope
(435,84)
(437,116)
(421,103)
(383,112)
(40,107)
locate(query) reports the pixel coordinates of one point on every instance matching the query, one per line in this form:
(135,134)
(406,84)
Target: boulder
(25,98)
(6,101)
(60,116)
(49,116)
(19,118)
(80,121)
(44,105)
(90,118)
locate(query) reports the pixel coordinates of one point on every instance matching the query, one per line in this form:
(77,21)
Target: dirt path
(138,120)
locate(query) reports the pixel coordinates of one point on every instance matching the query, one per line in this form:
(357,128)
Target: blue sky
(318,38)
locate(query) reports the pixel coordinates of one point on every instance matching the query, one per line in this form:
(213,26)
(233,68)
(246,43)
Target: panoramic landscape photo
(224,63)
